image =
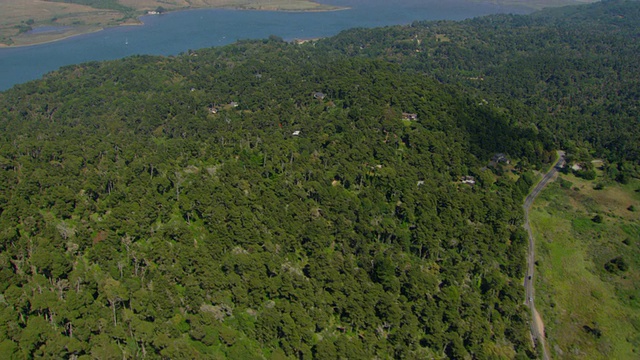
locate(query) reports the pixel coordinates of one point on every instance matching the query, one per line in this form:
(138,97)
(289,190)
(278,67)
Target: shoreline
(139,22)
(5,46)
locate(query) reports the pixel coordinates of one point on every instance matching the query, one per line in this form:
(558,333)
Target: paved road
(537,327)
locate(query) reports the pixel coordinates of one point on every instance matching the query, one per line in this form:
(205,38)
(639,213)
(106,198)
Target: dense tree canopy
(273,200)
(575,69)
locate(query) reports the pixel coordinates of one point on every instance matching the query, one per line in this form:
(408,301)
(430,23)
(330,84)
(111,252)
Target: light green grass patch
(588,312)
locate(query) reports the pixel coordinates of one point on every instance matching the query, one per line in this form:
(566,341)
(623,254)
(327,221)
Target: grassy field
(588,268)
(20,16)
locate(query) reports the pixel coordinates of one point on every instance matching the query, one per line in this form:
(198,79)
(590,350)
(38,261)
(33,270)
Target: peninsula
(30,22)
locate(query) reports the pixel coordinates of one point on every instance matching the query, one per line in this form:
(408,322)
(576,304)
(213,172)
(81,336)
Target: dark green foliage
(564,183)
(593,330)
(586,174)
(149,221)
(571,72)
(616,265)
(137,223)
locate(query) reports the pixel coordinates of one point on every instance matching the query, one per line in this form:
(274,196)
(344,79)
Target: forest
(354,197)
(573,67)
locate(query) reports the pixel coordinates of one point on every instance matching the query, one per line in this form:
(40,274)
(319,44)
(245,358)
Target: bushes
(586,174)
(565,184)
(616,265)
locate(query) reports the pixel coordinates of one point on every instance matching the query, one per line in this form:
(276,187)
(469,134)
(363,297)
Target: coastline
(139,22)
(63,37)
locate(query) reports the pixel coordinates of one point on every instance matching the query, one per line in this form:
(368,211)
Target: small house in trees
(420,182)
(234,104)
(409,116)
(500,158)
(302,41)
(296,133)
(213,110)
(468,180)
(319,95)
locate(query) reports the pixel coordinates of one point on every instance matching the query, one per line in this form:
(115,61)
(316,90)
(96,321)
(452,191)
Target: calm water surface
(172,33)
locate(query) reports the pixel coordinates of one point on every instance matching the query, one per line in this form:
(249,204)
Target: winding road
(537,326)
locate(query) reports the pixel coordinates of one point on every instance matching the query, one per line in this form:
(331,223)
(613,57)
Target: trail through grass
(590,301)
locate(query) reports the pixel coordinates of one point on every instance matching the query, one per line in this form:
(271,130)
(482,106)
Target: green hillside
(135,220)
(273,200)
(574,68)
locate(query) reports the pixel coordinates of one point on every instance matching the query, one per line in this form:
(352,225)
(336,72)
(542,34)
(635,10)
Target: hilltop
(260,200)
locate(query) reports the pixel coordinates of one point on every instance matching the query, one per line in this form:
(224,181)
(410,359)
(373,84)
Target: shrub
(587,174)
(616,265)
(565,184)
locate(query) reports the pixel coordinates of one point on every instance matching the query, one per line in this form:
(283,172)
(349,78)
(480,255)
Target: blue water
(177,32)
(48,29)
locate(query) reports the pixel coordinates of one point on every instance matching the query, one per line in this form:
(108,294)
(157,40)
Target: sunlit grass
(588,312)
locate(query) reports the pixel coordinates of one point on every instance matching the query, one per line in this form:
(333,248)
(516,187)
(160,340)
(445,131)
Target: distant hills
(540,4)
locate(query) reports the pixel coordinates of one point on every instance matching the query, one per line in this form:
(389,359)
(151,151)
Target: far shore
(63,36)
(75,31)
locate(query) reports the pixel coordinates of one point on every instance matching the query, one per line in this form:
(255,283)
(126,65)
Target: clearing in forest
(588,267)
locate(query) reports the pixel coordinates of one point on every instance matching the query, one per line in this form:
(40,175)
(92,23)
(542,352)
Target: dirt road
(537,326)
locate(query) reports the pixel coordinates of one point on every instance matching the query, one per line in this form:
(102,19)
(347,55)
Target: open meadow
(588,269)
